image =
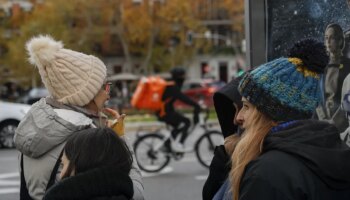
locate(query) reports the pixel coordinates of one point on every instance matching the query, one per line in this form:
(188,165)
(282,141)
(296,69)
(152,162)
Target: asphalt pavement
(181,180)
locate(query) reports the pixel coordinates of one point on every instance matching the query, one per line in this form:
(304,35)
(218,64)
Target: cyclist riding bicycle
(178,121)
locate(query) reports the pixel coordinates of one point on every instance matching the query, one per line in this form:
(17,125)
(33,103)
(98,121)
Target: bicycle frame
(160,144)
(203,118)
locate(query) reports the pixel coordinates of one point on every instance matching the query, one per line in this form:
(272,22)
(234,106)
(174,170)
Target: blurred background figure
(11,91)
(336,71)
(174,118)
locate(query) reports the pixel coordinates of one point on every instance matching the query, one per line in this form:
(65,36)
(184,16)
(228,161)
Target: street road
(181,180)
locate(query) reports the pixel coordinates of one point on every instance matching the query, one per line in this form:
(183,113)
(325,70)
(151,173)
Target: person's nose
(239,119)
(235,121)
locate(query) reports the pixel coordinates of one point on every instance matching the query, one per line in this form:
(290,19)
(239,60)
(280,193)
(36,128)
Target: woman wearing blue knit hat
(283,154)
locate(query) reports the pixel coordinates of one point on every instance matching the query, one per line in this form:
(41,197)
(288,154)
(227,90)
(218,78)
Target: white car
(10,116)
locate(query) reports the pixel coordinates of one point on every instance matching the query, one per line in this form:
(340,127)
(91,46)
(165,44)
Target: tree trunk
(145,64)
(128,65)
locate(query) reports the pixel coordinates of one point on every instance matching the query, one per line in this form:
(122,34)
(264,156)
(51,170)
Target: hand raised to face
(118,123)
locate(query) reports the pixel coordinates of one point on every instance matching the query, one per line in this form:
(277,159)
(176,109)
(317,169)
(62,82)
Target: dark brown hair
(96,147)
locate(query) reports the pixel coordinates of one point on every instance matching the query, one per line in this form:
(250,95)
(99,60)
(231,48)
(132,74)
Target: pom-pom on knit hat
(288,88)
(71,77)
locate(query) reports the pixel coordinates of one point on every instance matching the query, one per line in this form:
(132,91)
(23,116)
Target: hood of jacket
(223,103)
(318,145)
(45,127)
(105,182)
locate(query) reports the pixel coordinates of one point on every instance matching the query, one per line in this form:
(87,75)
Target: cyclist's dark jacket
(304,160)
(173,93)
(220,165)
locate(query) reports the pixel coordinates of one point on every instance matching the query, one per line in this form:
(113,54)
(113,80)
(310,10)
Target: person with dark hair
(78,92)
(178,121)
(282,153)
(96,165)
(336,71)
(226,99)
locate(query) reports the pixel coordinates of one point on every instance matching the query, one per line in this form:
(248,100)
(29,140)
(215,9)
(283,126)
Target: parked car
(34,95)
(200,89)
(10,116)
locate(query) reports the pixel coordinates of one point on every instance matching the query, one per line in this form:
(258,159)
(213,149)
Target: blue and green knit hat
(288,88)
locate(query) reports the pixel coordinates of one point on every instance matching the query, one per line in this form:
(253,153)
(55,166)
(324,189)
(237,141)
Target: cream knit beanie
(71,77)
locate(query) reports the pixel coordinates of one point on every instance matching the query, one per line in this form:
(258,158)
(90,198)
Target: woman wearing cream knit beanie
(71,77)
(75,82)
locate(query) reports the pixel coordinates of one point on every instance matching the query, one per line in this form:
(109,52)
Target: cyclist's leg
(183,125)
(187,125)
(179,133)
(179,123)
(169,120)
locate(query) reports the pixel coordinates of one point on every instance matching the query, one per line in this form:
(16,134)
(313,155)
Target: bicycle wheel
(150,153)
(205,146)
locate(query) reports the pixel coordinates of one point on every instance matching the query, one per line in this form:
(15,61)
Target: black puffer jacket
(98,184)
(306,160)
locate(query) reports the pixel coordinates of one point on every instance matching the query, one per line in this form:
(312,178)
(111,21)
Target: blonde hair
(247,147)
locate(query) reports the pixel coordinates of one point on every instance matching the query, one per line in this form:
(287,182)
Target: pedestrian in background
(282,153)
(96,165)
(78,91)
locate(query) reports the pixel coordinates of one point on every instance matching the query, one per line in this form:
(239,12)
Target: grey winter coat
(41,136)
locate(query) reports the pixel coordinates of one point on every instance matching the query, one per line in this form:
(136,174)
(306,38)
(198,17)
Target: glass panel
(292,20)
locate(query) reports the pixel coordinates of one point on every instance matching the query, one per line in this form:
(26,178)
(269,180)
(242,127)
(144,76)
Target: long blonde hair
(247,147)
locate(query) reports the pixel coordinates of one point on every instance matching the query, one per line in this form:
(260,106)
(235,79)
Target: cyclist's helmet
(346,104)
(178,75)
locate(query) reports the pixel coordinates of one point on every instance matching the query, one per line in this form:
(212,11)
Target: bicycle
(153,152)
